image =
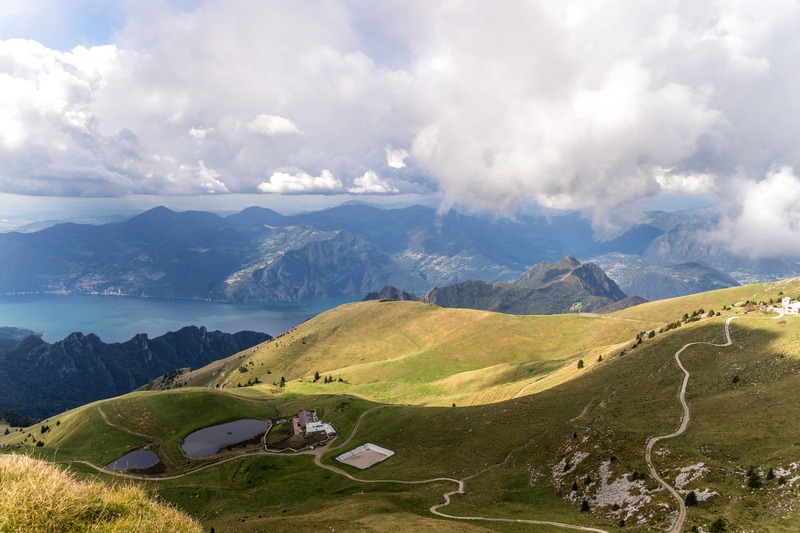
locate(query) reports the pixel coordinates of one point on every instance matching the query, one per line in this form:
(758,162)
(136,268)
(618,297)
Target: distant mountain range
(259,254)
(561,287)
(39,379)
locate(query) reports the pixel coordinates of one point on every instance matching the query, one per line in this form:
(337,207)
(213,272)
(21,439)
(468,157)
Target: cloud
(395,158)
(301,183)
(564,103)
(762,219)
(684,183)
(370,183)
(272,125)
(200,133)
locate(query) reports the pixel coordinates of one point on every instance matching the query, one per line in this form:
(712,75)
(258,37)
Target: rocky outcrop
(546,288)
(391,293)
(40,379)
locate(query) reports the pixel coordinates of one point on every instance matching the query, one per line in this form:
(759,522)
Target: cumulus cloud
(301,183)
(370,183)
(271,125)
(761,217)
(565,103)
(395,157)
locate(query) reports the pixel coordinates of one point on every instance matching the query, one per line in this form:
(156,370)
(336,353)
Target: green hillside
(570,435)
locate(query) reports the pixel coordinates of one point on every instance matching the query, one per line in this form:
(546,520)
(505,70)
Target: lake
(118,318)
(210,440)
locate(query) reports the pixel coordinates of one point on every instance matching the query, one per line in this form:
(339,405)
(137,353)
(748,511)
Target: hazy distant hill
(39,379)
(259,254)
(546,288)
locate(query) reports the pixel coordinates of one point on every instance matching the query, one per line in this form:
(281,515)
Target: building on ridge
(790,307)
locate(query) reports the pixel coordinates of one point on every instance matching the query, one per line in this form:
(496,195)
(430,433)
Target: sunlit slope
(521,457)
(669,310)
(39,497)
(418,353)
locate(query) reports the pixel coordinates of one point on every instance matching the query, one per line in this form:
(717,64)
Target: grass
(40,497)
(415,353)
(510,450)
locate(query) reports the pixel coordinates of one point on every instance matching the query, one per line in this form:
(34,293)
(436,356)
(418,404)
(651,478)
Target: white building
(790,307)
(313,428)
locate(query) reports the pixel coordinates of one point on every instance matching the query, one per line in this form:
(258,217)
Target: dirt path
(318,453)
(115,426)
(678,524)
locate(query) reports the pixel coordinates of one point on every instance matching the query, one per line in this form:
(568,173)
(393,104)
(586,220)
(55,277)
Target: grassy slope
(37,496)
(410,352)
(610,407)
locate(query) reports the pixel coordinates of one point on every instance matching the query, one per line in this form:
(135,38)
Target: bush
(753,479)
(718,525)
(585,506)
(580,363)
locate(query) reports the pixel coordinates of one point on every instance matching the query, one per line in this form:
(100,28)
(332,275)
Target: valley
(530,415)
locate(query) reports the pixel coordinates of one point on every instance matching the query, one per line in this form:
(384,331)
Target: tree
(316,376)
(574,486)
(283,382)
(7,432)
(580,363)
(584,506)
(691,499)
(770,474)
(651,334)
(753,479)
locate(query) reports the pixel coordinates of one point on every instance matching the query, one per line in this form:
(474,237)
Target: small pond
(211,440)
(139,460)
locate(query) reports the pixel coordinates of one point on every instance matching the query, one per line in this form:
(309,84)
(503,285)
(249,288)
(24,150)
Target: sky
(604,107)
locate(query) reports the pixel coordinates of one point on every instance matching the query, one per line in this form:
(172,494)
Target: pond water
(140,459)
(211,440)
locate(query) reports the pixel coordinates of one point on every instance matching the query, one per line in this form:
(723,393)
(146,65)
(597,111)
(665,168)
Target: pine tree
(691,499)
(283,382)
(580,363)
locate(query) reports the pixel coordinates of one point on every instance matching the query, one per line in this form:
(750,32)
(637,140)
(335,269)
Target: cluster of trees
(327,379)
(250,382)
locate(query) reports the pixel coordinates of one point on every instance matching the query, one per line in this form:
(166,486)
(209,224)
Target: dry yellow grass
(36,496)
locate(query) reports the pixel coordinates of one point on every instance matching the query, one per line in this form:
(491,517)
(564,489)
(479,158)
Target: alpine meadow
(528,266)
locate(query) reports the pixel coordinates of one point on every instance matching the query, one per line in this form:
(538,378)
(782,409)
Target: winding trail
(679,521)
(460,483)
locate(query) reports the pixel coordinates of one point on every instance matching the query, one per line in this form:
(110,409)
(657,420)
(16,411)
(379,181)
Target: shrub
(580,363)
(718,525)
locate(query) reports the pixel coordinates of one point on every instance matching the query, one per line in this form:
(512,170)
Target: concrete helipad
(365,456)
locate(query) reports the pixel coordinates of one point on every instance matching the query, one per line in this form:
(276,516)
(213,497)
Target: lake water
(210,440)
(140,459)
(118,318)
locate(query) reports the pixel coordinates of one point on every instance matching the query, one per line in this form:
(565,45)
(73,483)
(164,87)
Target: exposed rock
(391,293)
(561,287)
